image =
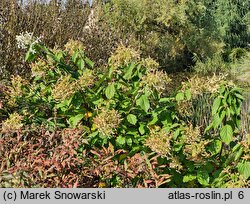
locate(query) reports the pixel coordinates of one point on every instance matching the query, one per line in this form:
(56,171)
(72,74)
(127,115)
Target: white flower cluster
(26,40)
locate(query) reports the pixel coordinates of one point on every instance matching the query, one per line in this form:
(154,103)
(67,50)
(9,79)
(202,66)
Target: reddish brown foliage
(48,159)
(54,159)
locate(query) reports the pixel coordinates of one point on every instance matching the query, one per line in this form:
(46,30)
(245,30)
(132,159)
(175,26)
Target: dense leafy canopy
(125,93)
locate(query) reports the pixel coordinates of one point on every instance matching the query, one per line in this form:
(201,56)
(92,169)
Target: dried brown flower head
(196,151)
(123,56)
(15,89)
(87,79)
(185,108)
(199,85)
(194,148)
(107,121)
(234,179)
(175,163)
(157,80)
(13,123)
(150,64)
(39,68)
(73,46)
(192,134)
(159,141)
(64,88)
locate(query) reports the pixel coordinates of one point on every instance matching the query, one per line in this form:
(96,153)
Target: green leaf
(93,134)
(143,102)
(110,91)
(218,118)
(228,112)
(135,150)
(203,177)
(244,169)
(73,121)
(236,147)
(177,147)
(176,134)
(239,96)
(239,153)
(30,56)
(225,96)
(179,96)
(129,141)
(226,134)
(162,100)
(89,62)
(209,127)
(209,167)
(122,157)
(229,100)
(188,178)
(154,120)
(120,140)
(216,121)
(215,147)
(81,64)
(222,89)
(129,72)
(132,119)
(142,129)
(216,105)
(59,55)
(75,56)
(188,94)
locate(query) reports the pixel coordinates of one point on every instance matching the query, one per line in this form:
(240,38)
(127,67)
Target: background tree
(168,30)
